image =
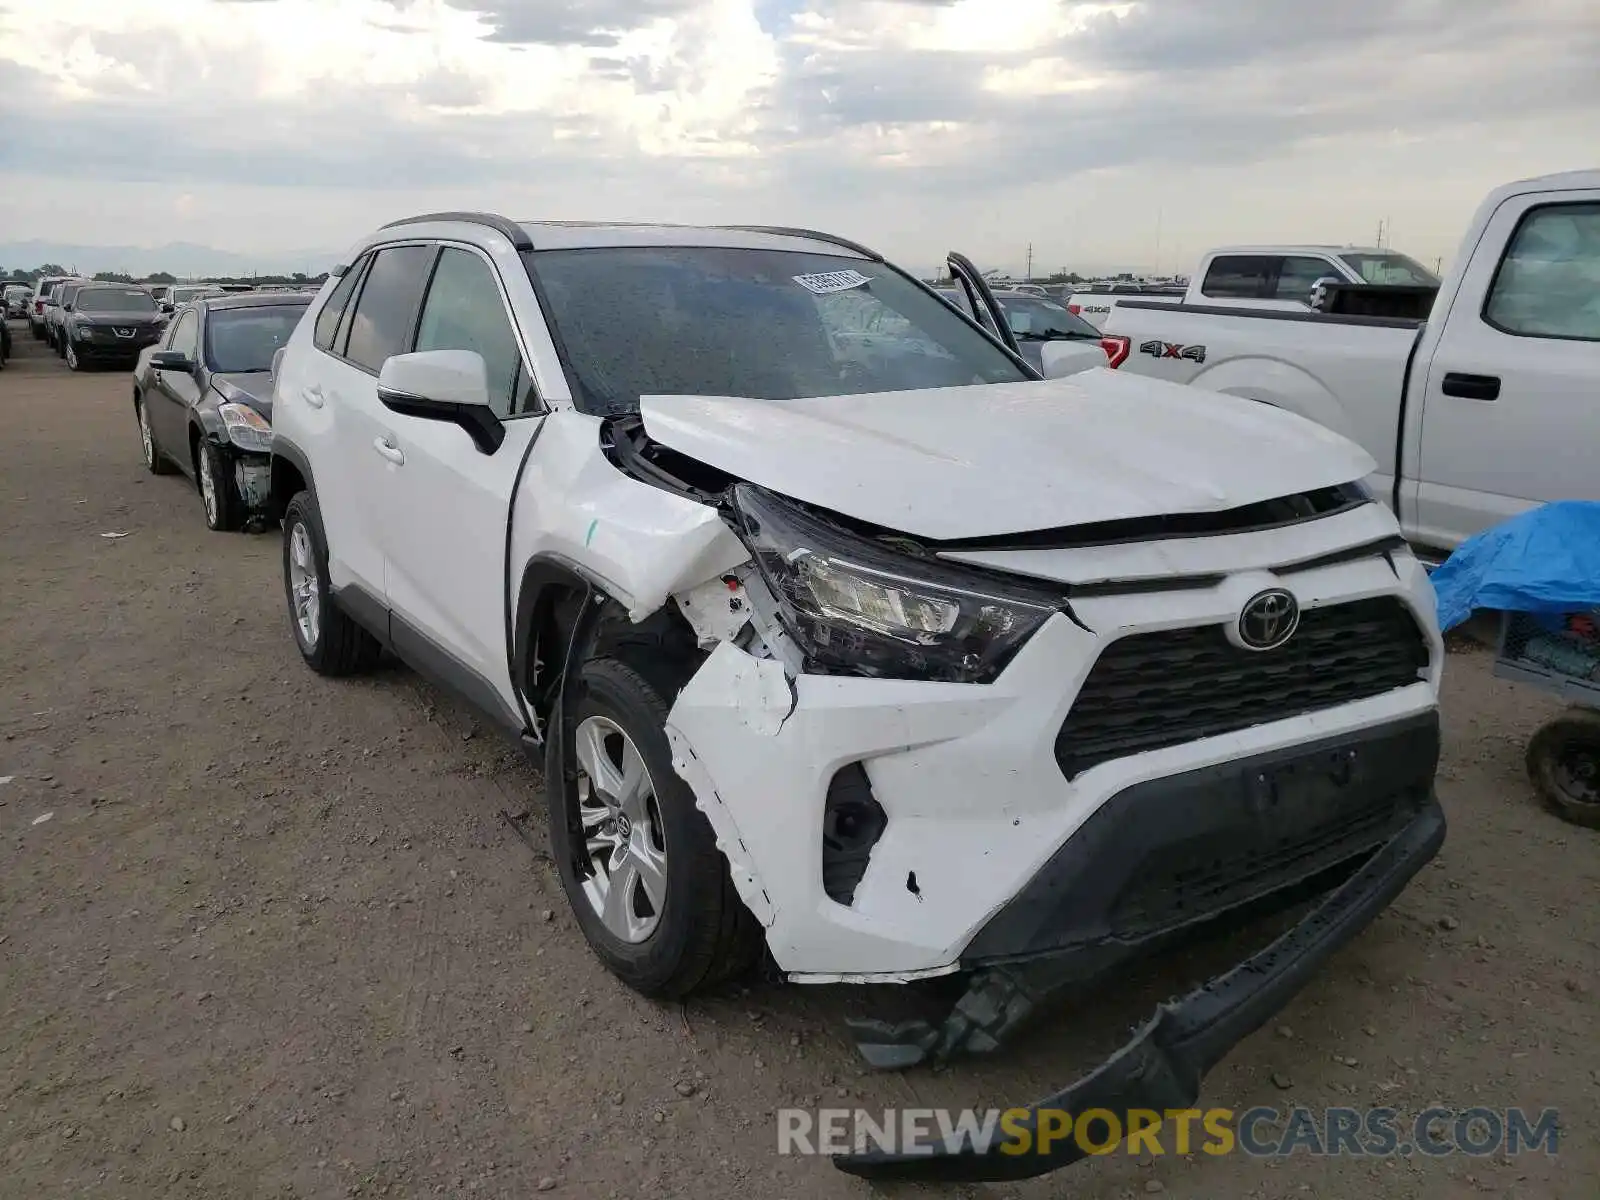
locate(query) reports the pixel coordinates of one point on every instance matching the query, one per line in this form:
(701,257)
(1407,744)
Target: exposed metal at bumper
(1162,1066)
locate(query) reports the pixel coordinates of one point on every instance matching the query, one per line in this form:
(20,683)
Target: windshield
(1390,270)
(115,300)
(770,324)
(245,339)
(1032,316)
(183,295)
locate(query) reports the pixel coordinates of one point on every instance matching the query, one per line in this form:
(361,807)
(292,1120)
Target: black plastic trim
(1066,908)
(1162,1067)
(505,587)
(1400,424)
(427,657)
(1268,314)
(291,453)
(507,228)
(365,609)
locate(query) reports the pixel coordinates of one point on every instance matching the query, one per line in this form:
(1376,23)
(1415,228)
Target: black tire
(154,462)
(705,935)
(228,514)
(74,362)
(341,647)
(1563,760)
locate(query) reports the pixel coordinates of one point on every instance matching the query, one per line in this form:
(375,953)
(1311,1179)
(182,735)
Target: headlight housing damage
(247,429)
(857,607)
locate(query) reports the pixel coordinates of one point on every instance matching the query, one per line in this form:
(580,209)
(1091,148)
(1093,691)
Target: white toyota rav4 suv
(839,629)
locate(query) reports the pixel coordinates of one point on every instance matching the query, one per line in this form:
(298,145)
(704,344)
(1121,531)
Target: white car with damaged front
(885,653)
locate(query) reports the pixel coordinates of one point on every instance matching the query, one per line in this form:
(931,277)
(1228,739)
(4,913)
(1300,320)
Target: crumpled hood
(954,463)
(246,387)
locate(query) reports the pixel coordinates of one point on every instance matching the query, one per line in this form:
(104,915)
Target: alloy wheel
(208,486)
(144,437)
(622,831)
(304,585)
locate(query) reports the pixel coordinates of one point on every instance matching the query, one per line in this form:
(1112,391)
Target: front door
(1510,405)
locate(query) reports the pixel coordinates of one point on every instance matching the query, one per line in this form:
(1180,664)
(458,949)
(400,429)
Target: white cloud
(916,125)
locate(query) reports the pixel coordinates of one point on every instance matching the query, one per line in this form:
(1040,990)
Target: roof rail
(516,234)
(789,231)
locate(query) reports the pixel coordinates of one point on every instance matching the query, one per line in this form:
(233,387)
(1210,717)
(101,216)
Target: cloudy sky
(1127,134)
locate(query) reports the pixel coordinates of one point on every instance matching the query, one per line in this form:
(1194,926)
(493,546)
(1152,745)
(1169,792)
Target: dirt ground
(276,940)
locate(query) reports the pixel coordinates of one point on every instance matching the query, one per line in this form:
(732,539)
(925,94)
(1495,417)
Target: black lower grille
(1194,879)
(1151,690)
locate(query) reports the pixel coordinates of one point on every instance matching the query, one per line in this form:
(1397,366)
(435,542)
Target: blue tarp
(1545,561)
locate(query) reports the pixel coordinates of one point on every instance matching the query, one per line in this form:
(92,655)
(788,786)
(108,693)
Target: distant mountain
(184,259)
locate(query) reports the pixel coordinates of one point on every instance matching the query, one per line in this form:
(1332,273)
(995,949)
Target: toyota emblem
(1268,620)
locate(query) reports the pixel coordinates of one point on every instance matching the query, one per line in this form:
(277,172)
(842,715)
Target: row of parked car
(90,322)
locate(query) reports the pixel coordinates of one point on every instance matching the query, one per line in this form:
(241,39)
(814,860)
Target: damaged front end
(882,739)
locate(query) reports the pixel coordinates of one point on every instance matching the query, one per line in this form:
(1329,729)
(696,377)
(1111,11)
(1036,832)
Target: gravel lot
(275,939)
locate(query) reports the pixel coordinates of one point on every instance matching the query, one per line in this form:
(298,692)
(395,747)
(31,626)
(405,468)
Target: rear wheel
(329,641)
(637,859)
(1563,760)
(153,462)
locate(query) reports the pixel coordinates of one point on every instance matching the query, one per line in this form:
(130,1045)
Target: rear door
(1511,402)
(379,322)
(446,502)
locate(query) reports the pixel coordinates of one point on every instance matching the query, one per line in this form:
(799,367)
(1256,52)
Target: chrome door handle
(390,451)
(312,396)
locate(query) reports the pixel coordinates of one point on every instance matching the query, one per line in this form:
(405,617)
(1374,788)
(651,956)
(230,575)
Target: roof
(1301,248)
(585,235)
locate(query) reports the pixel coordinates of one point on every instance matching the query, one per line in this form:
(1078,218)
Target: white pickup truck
(1270,277)
(1482,411)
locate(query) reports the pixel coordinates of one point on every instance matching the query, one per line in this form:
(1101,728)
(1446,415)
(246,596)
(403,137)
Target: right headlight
(855,606)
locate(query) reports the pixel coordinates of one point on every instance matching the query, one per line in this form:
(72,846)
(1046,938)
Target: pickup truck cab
(1282,278)
(883,653)
(1480,412)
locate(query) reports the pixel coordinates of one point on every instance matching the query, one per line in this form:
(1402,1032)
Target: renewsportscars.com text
(1259,1132)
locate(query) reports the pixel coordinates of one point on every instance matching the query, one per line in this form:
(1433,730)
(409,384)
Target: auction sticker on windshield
(831,281)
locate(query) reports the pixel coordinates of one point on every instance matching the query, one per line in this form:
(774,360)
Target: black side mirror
(66,308)
(172,360)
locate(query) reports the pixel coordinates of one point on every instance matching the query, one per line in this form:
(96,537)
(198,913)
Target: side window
(185,334)
(1548,284)
(464,311)
(1242,276)
(1299,275)
(386,310)
(328,319)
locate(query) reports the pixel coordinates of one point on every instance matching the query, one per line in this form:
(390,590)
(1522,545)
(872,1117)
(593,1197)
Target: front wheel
(638,860)
(74,363)
(1563,761)
(329,641)
(217,491)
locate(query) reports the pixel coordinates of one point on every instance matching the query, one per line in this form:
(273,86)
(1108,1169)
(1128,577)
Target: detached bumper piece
(1161,1068)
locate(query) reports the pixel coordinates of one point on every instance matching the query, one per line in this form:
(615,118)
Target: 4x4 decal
(1156,348)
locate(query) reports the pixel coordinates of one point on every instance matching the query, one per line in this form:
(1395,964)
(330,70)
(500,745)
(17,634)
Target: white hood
(964,462)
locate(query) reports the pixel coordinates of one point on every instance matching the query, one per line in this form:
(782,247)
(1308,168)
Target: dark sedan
(203,400)
(109,324)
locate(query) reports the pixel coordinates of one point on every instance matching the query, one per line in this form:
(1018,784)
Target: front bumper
(1160,1069)
(976,803)
(99,346)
